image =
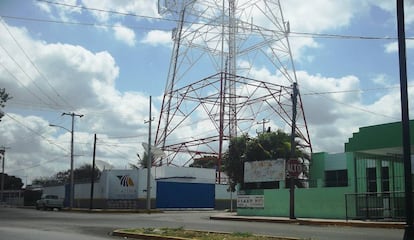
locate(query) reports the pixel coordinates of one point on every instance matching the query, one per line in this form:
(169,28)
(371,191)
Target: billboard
(264,171)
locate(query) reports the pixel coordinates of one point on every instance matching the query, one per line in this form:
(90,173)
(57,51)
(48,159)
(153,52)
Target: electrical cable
(36,133)
(33,64)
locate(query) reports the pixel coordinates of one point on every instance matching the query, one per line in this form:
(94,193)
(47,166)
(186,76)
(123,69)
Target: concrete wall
(309,203)
(55,190)
(109,192)
(224,198)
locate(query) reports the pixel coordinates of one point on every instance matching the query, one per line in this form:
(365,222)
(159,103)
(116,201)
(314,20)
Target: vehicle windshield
(51,196)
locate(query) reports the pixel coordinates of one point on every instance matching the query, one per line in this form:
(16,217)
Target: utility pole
(2,156)
(149,160)
(3,159)
(293,150)
(405,120)
(72,185)
(263,122)
(93,172)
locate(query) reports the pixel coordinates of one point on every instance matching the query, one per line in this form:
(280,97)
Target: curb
(85,210)
(314,222)
(122,233)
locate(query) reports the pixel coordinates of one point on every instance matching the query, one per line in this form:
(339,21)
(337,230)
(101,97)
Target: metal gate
(375,206)
(379,186)
(180,195)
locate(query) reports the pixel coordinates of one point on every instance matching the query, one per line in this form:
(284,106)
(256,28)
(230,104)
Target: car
(49,201)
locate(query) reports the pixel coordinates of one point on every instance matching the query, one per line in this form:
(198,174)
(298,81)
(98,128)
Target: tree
(11,182)
(81,174)
(205,162)
(143,162)
(267,145)
(233,160)
(4,96)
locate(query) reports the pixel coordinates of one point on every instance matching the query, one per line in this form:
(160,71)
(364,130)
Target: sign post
(295,168)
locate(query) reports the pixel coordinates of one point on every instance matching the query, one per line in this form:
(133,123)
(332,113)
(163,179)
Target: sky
(103,59)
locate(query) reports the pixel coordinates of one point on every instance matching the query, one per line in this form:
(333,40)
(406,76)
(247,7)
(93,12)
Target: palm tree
(267,145)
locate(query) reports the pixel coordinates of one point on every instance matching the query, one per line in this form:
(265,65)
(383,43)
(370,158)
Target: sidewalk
(309,221)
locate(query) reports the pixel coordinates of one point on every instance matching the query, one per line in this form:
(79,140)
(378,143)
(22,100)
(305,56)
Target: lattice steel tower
(231,66)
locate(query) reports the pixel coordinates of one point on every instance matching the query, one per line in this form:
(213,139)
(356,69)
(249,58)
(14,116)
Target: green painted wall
(321,202)
(309,203)
(276,202)
(317,167)
(378,136)
(329,202)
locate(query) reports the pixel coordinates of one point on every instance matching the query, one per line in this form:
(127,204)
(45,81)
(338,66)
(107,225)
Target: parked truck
(48,201)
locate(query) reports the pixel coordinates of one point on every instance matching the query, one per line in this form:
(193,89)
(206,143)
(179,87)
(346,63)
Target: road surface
(28,224)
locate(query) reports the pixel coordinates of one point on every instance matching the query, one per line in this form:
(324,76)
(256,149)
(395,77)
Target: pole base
(408,232)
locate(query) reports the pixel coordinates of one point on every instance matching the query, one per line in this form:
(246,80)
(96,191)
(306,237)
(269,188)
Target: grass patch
(201,235)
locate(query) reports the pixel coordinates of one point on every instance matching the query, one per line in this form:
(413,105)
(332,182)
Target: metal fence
(12,197)
(375,206)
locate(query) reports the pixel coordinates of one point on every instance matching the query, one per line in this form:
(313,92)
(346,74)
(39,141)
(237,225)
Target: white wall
(109,185)
(55,190)
(222,193)
(83,190)
(142,183)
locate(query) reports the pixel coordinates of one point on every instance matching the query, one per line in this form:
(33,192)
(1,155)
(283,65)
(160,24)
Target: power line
(354,107)
(316,35)
(23,85)
(32,63)
(292,33)
(36,165)
(103,10)
(88,24)
(352,90)
(26,74)
(36,133)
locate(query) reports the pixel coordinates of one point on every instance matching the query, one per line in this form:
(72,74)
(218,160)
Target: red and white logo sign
(294,167)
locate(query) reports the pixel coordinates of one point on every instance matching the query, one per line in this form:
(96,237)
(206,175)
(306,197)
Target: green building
(364,182)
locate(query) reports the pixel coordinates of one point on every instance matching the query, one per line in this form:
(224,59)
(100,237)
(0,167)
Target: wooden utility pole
(149,160)
(263,122)
(3,160)
(93,173)
(405,120)
(72,179)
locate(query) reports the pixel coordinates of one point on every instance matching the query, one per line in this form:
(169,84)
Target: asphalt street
(25,224)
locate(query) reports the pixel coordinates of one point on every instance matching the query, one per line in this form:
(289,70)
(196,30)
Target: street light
(72,186)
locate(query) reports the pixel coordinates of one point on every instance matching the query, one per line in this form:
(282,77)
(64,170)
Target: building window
(336,178)
(371,179)
(385,179)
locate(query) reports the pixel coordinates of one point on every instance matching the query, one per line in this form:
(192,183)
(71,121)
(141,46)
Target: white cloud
(78,80)
(124,34)
(382,80)
(393,47)
(142,7)
(85,82)
(334,111)
(157,38)
(390,6)
(64,10)
(320,15)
